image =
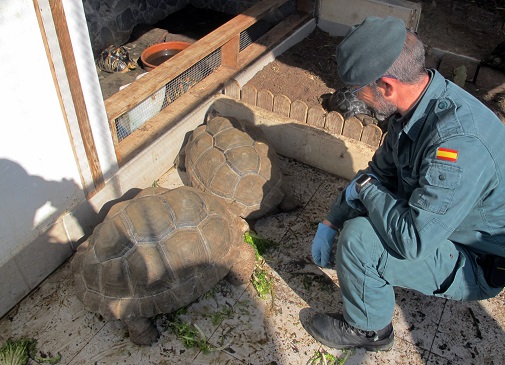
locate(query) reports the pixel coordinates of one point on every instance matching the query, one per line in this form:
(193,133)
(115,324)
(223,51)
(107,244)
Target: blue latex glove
(321,245)
(350,192)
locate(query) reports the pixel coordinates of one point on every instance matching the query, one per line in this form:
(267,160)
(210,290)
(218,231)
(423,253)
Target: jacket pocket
(438,192)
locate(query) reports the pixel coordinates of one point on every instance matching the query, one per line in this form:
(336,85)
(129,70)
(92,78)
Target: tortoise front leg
(142,331)
(243,265)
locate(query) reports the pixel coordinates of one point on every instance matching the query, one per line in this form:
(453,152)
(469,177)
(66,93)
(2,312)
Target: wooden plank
(59,93)
(316,117)
(299,111)
(371,135)
(230,51)
(282,105)
(353,128)
(249,95)
(232,89)
(334,122)
(265,100)
(125,100)
(74,83)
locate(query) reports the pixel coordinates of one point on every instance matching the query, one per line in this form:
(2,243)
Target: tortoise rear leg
(243,266)
(142,331)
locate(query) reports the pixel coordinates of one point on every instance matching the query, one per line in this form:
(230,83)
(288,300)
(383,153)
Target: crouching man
(428,213)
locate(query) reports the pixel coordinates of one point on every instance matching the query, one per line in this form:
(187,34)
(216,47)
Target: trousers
(368,270)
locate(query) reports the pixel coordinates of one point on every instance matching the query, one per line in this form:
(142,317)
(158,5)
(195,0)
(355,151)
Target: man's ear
(387,86)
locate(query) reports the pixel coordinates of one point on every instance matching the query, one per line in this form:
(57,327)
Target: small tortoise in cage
(159,252)
(345,102)
(115,59)
(232,159)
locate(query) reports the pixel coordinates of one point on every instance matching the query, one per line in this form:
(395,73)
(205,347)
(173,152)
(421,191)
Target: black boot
(335,332)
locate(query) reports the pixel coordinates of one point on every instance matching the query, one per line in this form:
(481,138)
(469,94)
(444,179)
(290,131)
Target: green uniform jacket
(441,171)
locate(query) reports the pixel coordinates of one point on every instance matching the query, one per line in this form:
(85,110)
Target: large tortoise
(232,159)
(159,252)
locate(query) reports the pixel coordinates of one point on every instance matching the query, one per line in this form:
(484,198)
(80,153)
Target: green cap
(370,49)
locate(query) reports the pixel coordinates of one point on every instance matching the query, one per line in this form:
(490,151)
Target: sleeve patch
(447,154)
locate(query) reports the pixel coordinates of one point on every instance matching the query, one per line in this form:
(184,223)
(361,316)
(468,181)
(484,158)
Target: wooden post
(74,83)
(230,51)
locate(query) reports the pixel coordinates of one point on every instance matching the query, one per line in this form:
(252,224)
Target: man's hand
(322,244)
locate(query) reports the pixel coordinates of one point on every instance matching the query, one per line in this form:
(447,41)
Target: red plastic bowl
(155,55)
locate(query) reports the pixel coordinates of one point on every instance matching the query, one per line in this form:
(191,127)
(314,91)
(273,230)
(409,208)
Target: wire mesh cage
(152,105)
(133,119)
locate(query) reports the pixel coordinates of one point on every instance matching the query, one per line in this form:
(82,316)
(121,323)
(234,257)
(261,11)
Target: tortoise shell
(232,159)
(345,102)
(158,252)
(115,59)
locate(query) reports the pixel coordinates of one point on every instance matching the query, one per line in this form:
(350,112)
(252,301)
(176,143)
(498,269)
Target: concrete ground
(237,326)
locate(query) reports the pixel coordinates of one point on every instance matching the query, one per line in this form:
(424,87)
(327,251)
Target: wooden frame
(225,38)
(63,34)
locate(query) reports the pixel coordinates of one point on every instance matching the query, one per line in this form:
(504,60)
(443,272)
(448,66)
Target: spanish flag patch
(447,154)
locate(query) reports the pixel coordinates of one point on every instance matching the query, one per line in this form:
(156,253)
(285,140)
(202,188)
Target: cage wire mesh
(159,100)
(251,34)
(152,105)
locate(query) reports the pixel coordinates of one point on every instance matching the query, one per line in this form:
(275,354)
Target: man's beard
(382,109)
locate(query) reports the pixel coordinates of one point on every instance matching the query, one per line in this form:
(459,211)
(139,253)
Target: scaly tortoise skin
(232,159)
(115,59)
(159,252)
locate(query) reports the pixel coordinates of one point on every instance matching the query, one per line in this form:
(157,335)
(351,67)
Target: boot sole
(384,347)
(377,346)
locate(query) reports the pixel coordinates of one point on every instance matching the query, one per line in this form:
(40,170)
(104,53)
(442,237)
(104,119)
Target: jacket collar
(412,122)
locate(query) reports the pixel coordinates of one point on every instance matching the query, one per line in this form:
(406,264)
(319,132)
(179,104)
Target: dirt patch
(304,72)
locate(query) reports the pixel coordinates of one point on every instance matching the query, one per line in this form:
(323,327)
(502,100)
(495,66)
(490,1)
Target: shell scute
(243,160)
(248,167)
(115,240)
(148,220)
(230,139)
(223,182)
(148,271)
(115,279)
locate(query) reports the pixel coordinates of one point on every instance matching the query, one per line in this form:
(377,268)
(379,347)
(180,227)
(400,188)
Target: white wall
(39,180)
(336,16)
(38,170)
